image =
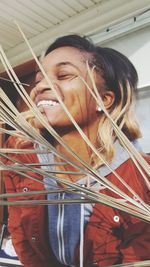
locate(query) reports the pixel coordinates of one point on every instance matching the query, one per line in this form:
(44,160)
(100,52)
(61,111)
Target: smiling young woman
(111,236)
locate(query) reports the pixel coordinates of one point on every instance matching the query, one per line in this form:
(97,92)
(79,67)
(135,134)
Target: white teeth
(47,103)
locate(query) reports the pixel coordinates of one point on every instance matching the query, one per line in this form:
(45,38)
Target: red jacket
(28,224)
(111,236)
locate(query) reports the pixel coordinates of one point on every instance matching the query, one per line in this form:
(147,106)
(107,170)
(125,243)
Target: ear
(108,99)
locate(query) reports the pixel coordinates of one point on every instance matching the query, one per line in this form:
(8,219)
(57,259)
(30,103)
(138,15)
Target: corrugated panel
(35,16)
(19,12)
(75,6)
(44,20)
(86,4)
(62,7)
(42,6)
(47,11)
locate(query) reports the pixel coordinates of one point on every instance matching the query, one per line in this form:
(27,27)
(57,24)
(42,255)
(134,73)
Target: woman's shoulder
(15,142)
(11,140)
(146,157)
(130,166)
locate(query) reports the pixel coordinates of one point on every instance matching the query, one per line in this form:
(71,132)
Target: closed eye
(36,82)
(66,76)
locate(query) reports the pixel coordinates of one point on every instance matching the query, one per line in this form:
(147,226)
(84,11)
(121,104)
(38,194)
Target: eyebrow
(64,63)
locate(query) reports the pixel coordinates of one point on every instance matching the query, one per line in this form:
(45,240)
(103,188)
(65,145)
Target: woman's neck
(77,144)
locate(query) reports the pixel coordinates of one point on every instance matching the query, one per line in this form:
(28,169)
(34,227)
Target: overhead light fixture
(114,31)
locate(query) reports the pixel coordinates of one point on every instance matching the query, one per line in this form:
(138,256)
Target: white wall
(136,46)
(143,114)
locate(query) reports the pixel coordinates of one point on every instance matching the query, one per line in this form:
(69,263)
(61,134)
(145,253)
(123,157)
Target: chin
(38,124)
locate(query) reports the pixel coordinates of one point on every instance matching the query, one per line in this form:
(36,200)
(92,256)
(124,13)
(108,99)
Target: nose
(39,88)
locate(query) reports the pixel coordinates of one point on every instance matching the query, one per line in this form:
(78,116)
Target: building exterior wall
(136,46)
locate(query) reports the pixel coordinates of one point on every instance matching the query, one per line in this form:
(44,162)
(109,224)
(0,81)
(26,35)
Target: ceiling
(44,20)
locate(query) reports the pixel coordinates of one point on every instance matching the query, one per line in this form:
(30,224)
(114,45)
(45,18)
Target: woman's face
(64,67)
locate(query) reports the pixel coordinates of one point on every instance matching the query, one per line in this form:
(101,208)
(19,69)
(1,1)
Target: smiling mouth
(47,103)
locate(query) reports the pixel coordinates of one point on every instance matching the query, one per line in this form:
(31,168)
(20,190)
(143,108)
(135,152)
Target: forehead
(65,54)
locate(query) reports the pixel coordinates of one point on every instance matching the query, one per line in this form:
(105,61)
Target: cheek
(85,109)
(37,124)
(32,94)
(75,91)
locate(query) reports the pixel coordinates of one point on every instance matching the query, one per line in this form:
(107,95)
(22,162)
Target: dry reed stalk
(121,136)
(91,195)
(35,136)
